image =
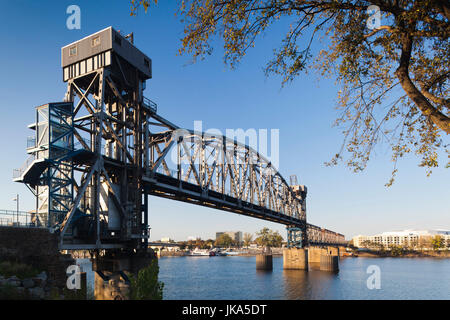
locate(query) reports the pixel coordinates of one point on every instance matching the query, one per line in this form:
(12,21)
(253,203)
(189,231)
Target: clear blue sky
(33,32)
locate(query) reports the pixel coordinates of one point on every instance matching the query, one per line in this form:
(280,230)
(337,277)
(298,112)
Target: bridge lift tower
(93,196)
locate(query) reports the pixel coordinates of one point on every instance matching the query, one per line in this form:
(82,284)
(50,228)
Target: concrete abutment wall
(37,248)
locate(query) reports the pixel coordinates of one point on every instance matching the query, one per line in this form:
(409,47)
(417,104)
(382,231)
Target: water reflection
(263,273)
(306,285)
(297,285)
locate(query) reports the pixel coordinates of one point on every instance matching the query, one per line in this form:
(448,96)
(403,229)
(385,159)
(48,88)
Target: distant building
(192,238)
(235,235)
(410,238)
(167,240)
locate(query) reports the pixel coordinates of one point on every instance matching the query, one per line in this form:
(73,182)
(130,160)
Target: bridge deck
(168,187)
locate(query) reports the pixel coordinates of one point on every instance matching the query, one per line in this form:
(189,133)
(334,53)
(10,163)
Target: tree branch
(388,28)
(438,118)
(439,100)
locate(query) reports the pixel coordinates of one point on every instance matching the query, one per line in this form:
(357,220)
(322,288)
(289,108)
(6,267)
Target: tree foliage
(396,250)
(197,243)
(268,238)
(438,242)
(393,78)
(372,245)
(146,285)
(248,238)
(135,4)
(425,242)
(224,240)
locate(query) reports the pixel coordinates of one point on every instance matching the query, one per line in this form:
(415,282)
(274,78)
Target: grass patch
(9,292)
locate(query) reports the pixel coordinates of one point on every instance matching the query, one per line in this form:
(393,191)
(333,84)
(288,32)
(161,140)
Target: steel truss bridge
(217,172)
(96,157)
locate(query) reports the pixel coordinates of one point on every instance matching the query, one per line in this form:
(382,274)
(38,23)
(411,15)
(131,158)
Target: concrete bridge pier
(325,259)
(311,258)
(264,260)
(295,258)
(314,254)
(329,263)
(112,273)
(333,251)
(111,286)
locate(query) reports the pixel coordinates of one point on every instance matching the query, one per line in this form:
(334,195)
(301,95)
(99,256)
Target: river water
(236,278)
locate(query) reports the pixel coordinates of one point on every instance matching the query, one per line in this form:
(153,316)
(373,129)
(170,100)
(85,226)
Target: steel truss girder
(224,166)
(320,236)
(211,163)
(168,187)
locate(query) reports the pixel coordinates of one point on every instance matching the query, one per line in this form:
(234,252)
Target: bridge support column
(264,260)
(111,286)
(329,263)
(112,272)
(314,254)
(325,259)
(295,258)
(334,251)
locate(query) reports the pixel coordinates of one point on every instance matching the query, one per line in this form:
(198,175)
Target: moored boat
(199,252)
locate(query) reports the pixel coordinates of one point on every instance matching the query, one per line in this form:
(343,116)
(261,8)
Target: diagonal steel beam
(76,202)
(162,155)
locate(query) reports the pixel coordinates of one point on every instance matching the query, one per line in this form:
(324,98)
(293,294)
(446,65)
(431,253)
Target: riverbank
(413,254)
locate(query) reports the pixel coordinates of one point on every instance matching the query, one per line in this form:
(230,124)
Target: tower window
(95,41)
(73,51)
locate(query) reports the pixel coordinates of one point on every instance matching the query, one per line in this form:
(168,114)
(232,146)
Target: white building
(410,238)
(167,240)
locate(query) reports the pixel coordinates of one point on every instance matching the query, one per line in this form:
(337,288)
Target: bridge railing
(17,173)
(150,105)
(22,219)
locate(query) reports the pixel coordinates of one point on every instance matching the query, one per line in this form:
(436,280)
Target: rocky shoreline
(37,287)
